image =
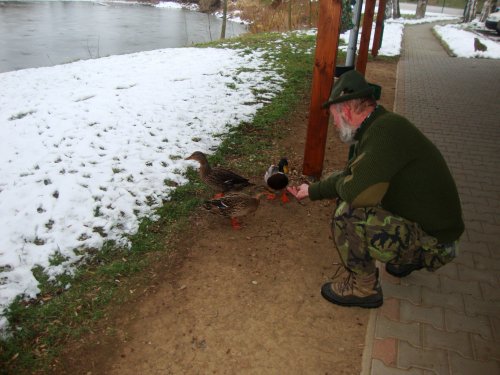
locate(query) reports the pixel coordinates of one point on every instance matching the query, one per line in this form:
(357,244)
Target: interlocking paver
(454,312)
(434,360)
(465,257)
(472,274)
(385,350)
(476,306)
(460,287)
(464,366)
(460,322)
(391,308)
(457,341)
(473,224)
(446,300)
(422,278)
(486,263)
(379,368)
(431,315)
(490,293)
(486,349)
(486,237)
(450,271)
(495,322)
(479,248)
(411,293)
(386,328)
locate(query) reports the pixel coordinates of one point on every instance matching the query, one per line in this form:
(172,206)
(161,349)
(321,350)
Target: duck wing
(277,181)
(272,170)
(218,206)
(233,205)
(228,180)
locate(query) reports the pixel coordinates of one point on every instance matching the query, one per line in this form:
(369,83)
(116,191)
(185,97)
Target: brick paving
(448,322)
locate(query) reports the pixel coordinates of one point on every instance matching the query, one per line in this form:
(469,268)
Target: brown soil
(241,302)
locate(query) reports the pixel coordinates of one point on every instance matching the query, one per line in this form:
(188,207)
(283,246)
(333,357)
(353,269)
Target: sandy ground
(241,302)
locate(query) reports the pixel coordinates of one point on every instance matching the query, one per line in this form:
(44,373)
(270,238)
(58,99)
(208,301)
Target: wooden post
(327,42)
(364,43)
(379,24)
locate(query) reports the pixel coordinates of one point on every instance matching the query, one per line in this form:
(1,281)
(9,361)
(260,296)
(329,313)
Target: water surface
(35,34)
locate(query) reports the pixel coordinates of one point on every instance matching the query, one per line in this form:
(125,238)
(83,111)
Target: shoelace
(347,283)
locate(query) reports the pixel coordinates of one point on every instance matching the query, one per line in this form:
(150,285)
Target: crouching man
(397,201)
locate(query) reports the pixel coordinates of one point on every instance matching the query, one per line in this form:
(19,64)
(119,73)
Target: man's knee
(381,234)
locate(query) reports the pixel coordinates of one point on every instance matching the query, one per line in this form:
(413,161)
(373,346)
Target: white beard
(346,133)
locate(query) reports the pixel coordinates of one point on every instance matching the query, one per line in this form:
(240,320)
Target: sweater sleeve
(326,189)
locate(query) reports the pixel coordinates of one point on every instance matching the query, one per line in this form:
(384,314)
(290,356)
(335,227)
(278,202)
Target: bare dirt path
(241,302)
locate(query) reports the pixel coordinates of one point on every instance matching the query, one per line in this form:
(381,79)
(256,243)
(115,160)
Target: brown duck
(233,206)
(220,179)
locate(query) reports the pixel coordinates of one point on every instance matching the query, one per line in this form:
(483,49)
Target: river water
(35,34)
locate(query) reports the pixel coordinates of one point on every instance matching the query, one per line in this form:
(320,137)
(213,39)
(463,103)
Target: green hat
(350,85)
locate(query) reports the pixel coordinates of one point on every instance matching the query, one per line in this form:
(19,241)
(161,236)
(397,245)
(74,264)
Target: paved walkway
(448,322)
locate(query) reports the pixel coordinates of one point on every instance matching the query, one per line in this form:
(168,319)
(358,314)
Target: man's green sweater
(396,166)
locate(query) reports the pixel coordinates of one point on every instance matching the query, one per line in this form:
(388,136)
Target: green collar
(379,110)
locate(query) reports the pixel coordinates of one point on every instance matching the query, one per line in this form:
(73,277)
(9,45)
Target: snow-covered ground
(86,148)
(460,40)
(458,36)
(89,148)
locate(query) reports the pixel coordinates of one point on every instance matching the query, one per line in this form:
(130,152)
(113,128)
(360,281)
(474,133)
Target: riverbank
(49,33)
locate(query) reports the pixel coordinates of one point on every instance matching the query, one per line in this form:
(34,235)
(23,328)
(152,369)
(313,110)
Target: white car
(493,21)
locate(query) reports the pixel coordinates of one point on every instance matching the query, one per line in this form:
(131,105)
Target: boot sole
(333,298)
(392,270)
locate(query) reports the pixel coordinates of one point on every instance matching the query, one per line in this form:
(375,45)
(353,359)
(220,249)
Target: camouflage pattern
(366,234)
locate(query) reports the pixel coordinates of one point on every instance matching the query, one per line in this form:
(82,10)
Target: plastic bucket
(339,70)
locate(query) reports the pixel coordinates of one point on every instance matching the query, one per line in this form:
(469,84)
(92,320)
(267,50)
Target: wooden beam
(327,42)
(364,43)
(379,25)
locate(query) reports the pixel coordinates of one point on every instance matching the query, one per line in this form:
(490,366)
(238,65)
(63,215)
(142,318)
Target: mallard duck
(277,180)
(233,206)
(220,179)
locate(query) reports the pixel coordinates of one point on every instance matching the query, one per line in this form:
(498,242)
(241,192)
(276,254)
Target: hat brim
(365,93)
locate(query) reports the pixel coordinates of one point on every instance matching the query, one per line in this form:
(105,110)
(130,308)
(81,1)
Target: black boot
(402,270)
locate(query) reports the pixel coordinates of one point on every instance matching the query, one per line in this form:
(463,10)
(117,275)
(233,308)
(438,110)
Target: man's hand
(299,192)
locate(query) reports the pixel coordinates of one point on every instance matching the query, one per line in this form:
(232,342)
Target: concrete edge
(396,85)
(366,361)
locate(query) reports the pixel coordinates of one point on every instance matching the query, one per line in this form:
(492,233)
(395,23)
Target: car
(493,21)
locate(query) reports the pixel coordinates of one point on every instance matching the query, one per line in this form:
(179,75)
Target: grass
(443,43)
(275,18)
(73,305)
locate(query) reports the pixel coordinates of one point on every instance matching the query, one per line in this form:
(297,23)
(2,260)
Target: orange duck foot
(235,224)
(217,196)
(284,197)
(271,196)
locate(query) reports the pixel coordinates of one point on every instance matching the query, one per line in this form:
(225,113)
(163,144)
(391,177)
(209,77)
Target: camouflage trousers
(364,235)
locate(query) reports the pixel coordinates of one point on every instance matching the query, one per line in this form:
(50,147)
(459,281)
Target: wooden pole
(364,43)
(379,24)
(327,42)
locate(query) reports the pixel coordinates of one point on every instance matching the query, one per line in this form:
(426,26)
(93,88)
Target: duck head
(198,156)
(283,165)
